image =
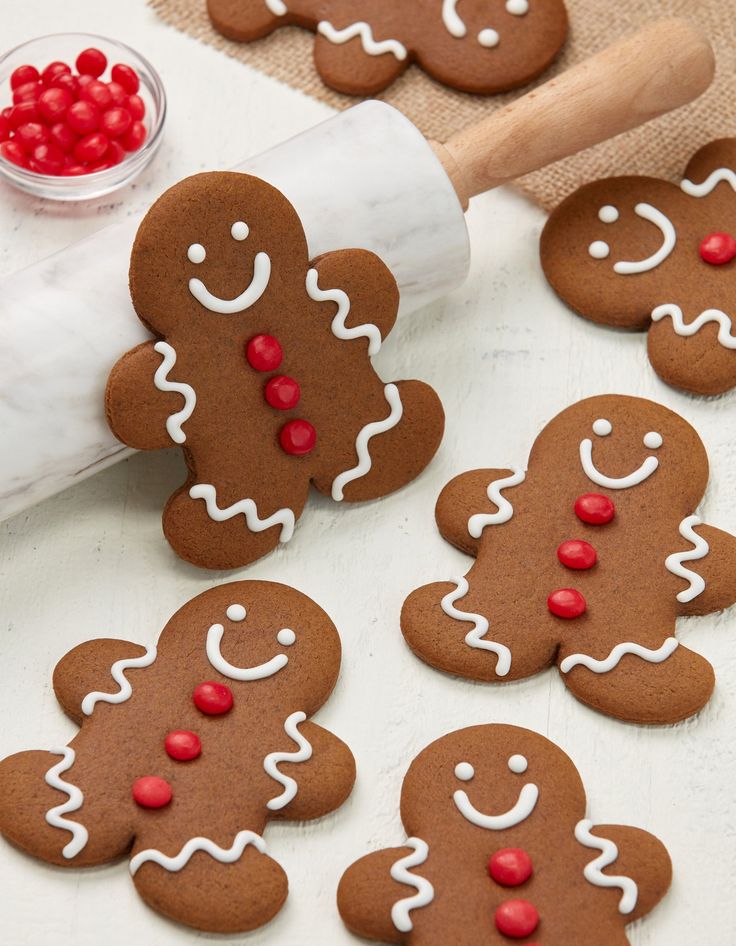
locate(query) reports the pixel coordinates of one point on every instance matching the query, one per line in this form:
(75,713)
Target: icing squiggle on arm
(55,816)
(478,522)
(593,872)
(715,178)
(339,329)
(620,650)
(247,507)
(401,872)
(117,672)
(674,563)
(163,383)
(273,759)
(179,861)
(364,31)
(474,638)
(674,312)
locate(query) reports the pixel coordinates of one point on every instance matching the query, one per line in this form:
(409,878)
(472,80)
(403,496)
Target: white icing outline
(593,872)
(283,517)
(272,760)
(178,861)
(339,329)
(162,382)
(364,31)
(277,7)
(244,674)
(400,872)
(521,810)
(117,672)
(639,475)
(674,563)
(710,183)
(669,235)
(364,464)
(474,637)
(55,816)
(679,326)
(247,298)
(620,650)
(478,522)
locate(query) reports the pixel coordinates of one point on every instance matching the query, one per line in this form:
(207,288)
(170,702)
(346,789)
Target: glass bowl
(66,47)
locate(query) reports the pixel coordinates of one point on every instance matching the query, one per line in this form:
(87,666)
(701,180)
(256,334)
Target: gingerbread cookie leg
(472,501)
(356,58)
(246,20)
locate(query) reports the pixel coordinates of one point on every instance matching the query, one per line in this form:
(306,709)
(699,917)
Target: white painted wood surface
(505,356)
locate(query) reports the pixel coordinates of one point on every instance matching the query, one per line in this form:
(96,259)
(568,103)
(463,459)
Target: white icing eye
(196,253)
(518,764)
(286,636)
(653,440)
(488,38)
(464,771)
(236,612)
(239,230)
(599,250)
(602,427)
(517,7)
(608,214)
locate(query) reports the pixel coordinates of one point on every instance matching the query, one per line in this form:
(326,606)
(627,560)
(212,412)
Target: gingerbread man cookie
(186,751)
(585,561)
(362,46)
(262,371)
(645,254)
(499,850)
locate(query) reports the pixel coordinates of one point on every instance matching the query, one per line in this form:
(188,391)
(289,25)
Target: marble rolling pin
(367,178)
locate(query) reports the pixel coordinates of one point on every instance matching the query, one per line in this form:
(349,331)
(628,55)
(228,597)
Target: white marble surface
(505,355)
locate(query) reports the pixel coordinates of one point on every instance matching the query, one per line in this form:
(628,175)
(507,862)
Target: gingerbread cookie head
(362,46)
(186,751)
(261,372)
(640,253)
(500,849)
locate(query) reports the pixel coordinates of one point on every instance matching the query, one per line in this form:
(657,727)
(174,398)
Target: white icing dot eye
(239,230)
(599,250)
(236,612)
(518,764)
(464,771)
(488,38)
(653,440)
(286,636)
(517,7)
(196,253)
(608,214)
(602,427)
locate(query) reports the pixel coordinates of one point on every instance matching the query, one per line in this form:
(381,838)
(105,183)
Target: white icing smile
(602,428)
(524,806)
(609,214)
(236,612)
(249,296)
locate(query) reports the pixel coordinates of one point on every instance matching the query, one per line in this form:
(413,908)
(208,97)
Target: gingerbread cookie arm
(706,567)
(471,502)
(145,406)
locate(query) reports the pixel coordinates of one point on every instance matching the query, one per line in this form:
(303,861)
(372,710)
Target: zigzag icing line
(117,672)
(593,872)
(273,759)
(688,329)
(162,382)
(247,507)
(620,650)
(400,871)
(710,183)
(55,816)
(364,31)
(474,638)
(674,563)
(339,329)
(224,855)
(478,522)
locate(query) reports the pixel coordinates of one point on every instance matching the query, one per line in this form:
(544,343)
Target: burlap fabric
(660,148)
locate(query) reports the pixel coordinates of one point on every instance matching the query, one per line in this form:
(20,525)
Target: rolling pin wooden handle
(661,67)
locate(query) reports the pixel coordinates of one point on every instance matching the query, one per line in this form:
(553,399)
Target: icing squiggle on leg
(364,31)
(593,872)
(179,861)
(680,327)
(674,563)
(478,522)
(620,650)
(273,759)
(474,638)
(247,507)
(55,816)
(339,329)
(117,672)
(162,382)
(401,872)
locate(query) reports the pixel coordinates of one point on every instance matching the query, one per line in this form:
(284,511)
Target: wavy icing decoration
(524,806)
(364,464)
(475,637)
(478,522)
(247,298)
(680,327)
(55,816)
(243,674)
(117,672)
(674,563)
(401,872)
(224,855)
(247,507)
(163,383)
(364,31)
(593,872)
(710,183)
(339,328)
(669,240)
(620,650)
(274,759)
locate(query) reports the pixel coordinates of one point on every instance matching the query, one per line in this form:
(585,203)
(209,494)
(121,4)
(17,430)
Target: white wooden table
(505,356)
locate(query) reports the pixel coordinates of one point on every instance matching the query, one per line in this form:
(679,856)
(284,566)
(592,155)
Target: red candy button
(517,918)
(594,509)
(282,392)
(182,745)
(264,353)
(212,698)
(298,437)
(510,867)
(718,248)
(577,554)
(566,603)
(151,792)
(91,62)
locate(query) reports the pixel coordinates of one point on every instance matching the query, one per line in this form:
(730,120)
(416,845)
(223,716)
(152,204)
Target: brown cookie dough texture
(488,794)
(219,264)
(201,859)
(626,252)
(362,46)
(622,572)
